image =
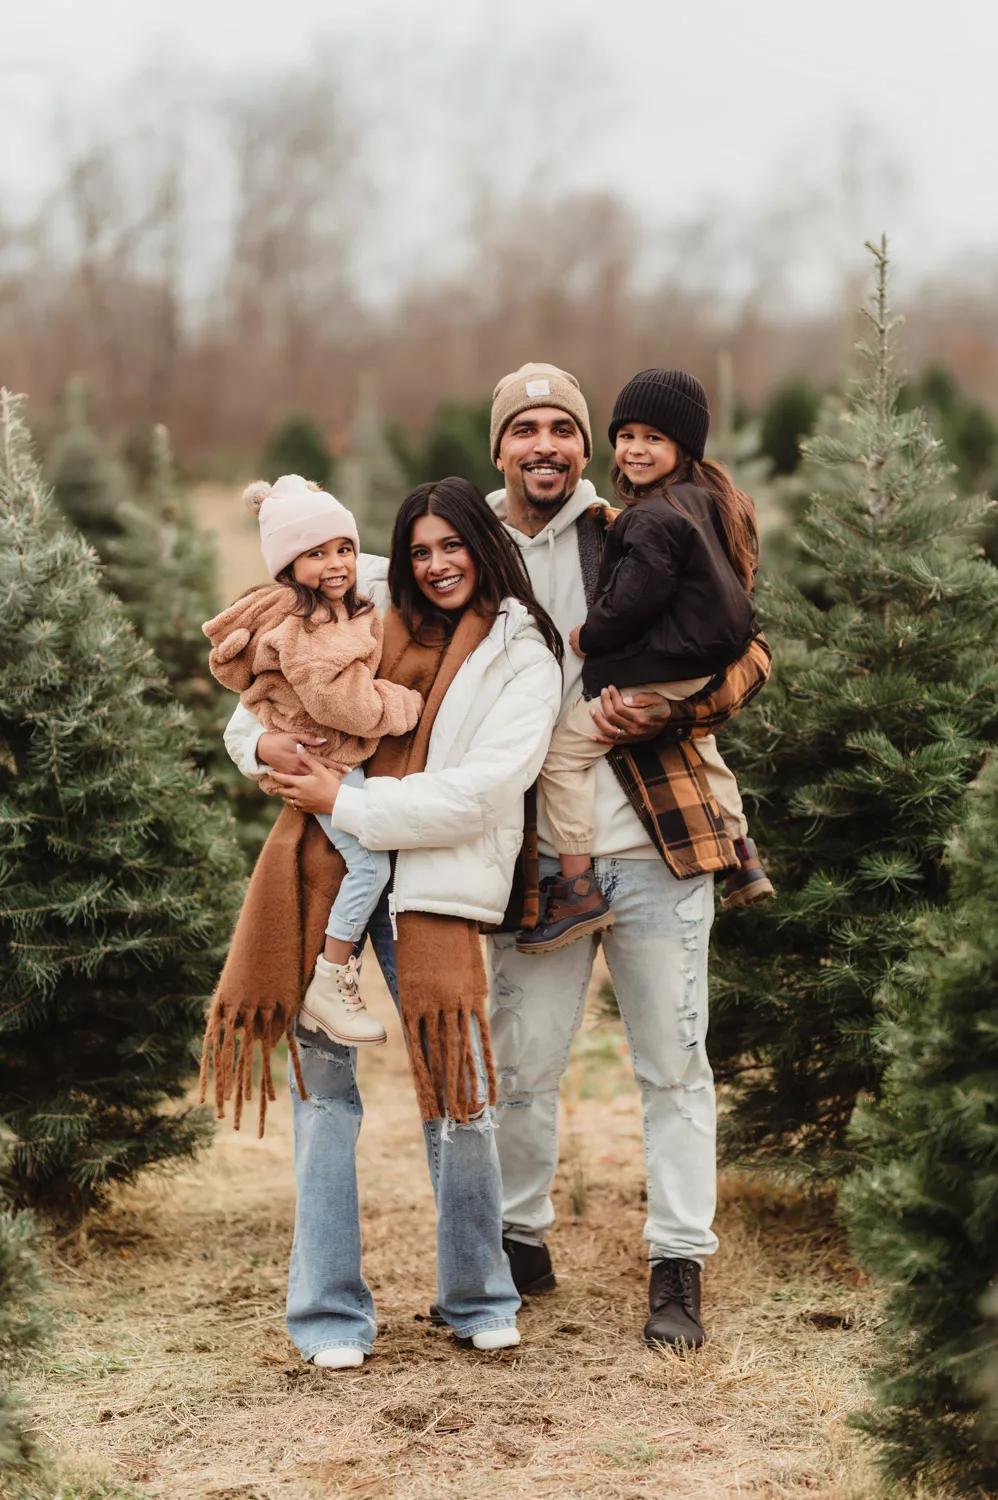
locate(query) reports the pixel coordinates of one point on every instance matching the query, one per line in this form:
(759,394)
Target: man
(658,869)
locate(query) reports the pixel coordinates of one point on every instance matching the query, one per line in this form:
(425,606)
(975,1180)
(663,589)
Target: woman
(492,685)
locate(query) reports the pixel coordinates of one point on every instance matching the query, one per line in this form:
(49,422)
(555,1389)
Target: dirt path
(172,1374)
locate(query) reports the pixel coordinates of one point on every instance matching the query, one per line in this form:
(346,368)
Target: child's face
(643,454)
(330,569)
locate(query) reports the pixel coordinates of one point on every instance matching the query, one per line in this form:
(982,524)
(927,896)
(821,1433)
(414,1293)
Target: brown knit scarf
(281,927)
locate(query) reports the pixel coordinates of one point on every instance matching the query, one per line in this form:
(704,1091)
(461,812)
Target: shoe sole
(341,1041)
(761,891)
(681,1348)
(581,929)
(539,1287)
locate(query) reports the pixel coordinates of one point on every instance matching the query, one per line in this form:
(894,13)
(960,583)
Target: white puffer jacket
(458,825)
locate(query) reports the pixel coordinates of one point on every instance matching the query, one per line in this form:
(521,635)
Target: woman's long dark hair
(735,509)
(499,567)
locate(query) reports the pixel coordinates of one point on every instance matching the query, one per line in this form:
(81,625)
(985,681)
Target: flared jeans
(329,1303)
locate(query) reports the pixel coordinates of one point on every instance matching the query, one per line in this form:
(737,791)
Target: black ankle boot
(530,1265)
(674,1300)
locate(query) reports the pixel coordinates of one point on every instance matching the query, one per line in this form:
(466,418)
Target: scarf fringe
(444,1070)
(229,1057)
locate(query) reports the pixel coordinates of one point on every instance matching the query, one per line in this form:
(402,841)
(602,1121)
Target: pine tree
(788,418)
(370,478)
(854,763)
(457,442)
(23,1325)
(924,1215)
(164,567)
(89,487)
(119,877)
(296,446)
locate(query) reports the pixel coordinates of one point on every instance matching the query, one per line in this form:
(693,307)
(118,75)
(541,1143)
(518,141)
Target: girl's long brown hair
(735,509)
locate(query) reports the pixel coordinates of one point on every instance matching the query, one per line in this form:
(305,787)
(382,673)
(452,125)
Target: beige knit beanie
(537,385)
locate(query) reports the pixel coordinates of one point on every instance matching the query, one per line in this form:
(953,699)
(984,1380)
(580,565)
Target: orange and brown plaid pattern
(665,779)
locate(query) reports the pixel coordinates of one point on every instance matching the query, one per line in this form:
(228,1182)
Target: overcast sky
(679,106)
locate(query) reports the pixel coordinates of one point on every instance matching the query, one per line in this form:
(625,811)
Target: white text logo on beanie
(538,388)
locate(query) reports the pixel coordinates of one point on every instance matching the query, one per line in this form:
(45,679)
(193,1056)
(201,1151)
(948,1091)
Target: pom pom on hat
(296,516)
(255,494)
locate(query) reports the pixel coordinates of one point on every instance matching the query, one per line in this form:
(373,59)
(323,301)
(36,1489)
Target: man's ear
(499,465)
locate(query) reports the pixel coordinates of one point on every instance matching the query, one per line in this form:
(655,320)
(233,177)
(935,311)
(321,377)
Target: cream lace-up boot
(333,1003)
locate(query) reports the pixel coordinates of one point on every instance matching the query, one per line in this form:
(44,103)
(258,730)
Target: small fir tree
(968,429)
(165,569)
(119,877)
(924,1215)
(296,446)
(370,478)
(457,442)
(23,1325)
(788,418)
(89,487)
(854,764)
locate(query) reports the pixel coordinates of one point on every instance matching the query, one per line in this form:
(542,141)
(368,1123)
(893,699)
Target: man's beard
(547,501)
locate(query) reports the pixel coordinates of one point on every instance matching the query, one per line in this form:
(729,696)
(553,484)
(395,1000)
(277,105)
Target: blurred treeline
(210,259)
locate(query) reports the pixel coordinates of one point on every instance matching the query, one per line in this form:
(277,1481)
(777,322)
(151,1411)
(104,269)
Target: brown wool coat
(301,678)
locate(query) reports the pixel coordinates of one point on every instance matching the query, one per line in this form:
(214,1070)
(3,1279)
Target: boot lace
(674,1283)
(352,999)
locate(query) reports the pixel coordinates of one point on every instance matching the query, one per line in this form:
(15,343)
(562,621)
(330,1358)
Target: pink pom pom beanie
(294,518)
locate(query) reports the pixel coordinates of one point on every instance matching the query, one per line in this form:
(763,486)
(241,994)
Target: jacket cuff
(348,810)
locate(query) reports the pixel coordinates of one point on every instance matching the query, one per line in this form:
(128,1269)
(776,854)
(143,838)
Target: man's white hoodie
(555,570)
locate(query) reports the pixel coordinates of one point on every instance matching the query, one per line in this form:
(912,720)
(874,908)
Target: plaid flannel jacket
(665,779)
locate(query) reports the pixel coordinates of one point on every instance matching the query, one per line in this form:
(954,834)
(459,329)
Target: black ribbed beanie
(672,401)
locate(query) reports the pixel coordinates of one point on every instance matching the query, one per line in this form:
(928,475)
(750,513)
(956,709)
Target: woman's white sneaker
(496,1338)
(338,1359)
(333,1003)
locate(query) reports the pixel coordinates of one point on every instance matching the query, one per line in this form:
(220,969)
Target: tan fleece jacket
(314,680)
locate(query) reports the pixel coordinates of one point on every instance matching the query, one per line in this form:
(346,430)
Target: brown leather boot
(674,1306)
(573,909)
(749,883)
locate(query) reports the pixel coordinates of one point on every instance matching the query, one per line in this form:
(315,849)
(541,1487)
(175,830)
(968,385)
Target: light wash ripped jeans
(329,1302)
(368,872)
(657,956)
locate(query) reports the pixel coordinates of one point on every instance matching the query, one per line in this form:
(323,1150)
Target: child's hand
(283,752)
(420,703)
(573,641)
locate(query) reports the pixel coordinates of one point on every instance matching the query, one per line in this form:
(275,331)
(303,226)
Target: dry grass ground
(172,1376)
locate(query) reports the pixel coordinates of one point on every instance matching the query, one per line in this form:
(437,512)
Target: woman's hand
(317,789)
(627,721)
(573,641)
(281,751)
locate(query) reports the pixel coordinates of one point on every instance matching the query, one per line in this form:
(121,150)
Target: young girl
(302,654)
(673,608)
